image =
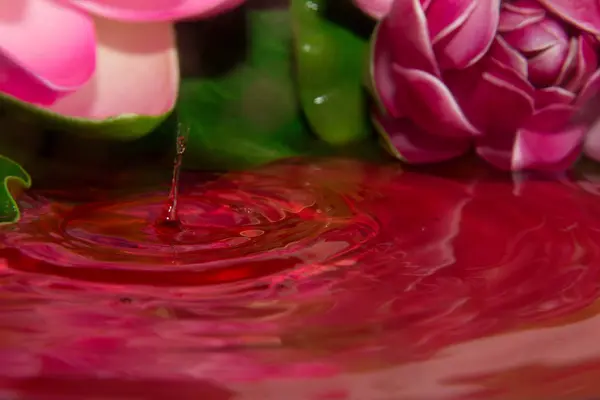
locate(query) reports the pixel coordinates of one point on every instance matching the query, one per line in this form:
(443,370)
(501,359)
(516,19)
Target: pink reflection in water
(329,279)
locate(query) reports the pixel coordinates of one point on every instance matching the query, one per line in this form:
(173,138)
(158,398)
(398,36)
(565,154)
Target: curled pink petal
(375,8)
(591,146)
(432,106)
(547,65)
(411,47)
(587,101)
(411,144)
(154,10)
(525,7)
(511,20)
(496,149)
(508,56)
(584,14)
(586,63)
(137,73)
(590,90)
(462,83)
(552,95)
(568,66)
(502,101)
(467,44)
(46,50)
(444,18)
(549,140)
(382,75)
(537,37)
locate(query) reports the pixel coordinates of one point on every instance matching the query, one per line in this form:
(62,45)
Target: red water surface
(314,279)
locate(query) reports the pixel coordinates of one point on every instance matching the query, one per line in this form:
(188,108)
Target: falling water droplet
(170,216)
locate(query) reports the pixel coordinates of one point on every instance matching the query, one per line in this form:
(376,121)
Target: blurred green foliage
(330,61)
(249,115)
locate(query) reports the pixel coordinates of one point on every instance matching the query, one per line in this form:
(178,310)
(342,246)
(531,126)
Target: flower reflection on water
(328,279)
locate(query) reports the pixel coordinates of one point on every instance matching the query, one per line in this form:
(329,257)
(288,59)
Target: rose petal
(382,75)
(444,18)
(537,37)
(499,106)
(568,67)
(592,142)
(588,101)
(432,106)
(548,141)
(525,7)
(585,14)
(137,73)
(154,10)
(375,8)
(502,101)
(508,56)
(411,47)
(544,68)
(406,141)
(467,45)
(552,95)
(511,20)
(590,90)
(46,50)
(462,83)
(585,65)
(497,149)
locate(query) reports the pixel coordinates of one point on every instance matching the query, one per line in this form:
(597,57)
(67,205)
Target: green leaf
(11,172)
(126,127)
(250,115)
(330,69)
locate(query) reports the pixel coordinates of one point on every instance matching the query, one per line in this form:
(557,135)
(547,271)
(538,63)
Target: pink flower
(95,59)
(505,77)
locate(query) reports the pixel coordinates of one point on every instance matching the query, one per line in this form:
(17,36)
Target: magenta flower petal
(586,63)
(444,17)
(411,144)
(508,56)
(502,101)
(569,64)
(467,45)
(584,14)
(552,95)
(375,8)
(538,37)
(547,65)
(496,149)
(511,20)
(590,90)
(137,73)
(432,106)
(382,75)
(46,50)
(548,141)
(592,142)
(525,7)
(154,10)
(411,47)
(587,101)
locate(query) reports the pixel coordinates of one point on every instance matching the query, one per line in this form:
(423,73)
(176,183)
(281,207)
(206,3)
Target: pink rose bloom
(95,59)
(503,76)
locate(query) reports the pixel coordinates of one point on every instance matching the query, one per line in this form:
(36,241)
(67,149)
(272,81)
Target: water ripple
(296,275)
